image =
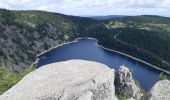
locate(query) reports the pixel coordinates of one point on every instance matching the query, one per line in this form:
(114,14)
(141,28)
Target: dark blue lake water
(87,49)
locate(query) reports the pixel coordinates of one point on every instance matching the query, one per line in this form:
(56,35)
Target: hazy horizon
(93,7)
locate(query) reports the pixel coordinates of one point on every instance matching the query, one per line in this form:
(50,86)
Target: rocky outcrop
(69,80)
(160,91)
(82,80)
(125,85)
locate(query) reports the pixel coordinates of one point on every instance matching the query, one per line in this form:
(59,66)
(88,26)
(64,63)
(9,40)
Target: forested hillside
(24,34)
(145,37)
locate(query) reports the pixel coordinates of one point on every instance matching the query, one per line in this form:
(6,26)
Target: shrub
(162,76)
(121,97)
(8,78)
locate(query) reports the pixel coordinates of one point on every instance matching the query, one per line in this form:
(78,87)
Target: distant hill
(24,34)
(106,17)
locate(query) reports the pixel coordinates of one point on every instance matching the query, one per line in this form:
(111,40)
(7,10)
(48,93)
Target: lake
(86,49)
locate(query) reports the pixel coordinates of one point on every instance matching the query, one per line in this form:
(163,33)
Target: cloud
(92,7)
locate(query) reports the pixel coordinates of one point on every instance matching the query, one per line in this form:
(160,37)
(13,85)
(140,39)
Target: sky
(92,7)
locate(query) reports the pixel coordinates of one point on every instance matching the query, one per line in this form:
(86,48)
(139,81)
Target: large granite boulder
(125,85)
(68,80)
(160,91)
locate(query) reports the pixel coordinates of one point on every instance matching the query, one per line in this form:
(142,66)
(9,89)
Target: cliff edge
(68,80)
(82,80)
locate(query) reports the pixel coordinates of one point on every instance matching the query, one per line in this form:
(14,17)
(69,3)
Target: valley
(24,34)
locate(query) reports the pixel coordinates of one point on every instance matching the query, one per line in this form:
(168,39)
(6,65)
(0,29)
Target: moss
(8,78)
(121,97)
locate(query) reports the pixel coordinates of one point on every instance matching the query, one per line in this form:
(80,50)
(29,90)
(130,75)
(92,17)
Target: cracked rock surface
(68,80)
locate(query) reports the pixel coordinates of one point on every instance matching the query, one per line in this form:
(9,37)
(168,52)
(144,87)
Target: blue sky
(93,7)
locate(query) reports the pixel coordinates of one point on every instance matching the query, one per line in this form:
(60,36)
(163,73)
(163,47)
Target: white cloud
(92,7)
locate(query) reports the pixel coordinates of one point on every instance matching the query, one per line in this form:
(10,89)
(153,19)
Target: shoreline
(50,49)
(124,54)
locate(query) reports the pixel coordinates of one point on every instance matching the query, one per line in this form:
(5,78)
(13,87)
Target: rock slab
(160,91)
(68,80)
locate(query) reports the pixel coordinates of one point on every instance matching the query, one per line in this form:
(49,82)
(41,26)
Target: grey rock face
(125,85)
(69,80)
(160,91)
